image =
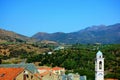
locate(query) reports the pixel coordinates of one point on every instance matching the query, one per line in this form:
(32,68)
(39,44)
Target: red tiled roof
(57,68)
(45,73)
(9,73)
(44,68)
(38,76)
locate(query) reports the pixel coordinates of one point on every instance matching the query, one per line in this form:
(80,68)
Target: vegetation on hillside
(21,51)
(77,58)
(81,58)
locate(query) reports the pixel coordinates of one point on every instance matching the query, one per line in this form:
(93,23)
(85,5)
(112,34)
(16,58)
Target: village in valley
(31,71)
(59,39)
(28,71)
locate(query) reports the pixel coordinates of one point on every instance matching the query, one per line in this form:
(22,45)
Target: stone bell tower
(99,66)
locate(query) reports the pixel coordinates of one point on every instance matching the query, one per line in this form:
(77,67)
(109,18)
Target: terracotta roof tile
(44,68)
(38,76)
(45,73)
(9,73)
(57,68)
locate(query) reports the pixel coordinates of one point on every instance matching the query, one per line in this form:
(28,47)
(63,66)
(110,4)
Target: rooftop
(57,68)
(28,66)
(99,53)
(44,68)
(5,73)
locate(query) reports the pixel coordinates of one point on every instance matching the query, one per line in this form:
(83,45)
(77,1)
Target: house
(55,70)
(43,69)
(28,75)
(64,77)
(83,77)
(58,70)
(11,74)
(28,66)
(29,70)
(46,74)
(71,76)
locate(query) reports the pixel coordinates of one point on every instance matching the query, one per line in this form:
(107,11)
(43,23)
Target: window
(31,76)
(27,76)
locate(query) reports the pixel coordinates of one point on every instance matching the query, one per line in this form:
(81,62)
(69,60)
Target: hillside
(80,58)
(95,34)
(9,36)
(15,48)
(14,45)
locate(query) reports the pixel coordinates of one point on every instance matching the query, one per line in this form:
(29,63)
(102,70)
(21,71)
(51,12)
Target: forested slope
(80,59)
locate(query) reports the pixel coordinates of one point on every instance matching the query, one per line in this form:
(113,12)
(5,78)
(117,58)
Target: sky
(27,17)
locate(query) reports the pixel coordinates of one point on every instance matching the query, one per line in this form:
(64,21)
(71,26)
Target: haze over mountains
(94,34)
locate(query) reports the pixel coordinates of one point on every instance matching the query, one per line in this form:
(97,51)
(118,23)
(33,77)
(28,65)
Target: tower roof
(99,53)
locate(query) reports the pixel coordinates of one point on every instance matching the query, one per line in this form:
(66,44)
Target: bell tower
(99,66)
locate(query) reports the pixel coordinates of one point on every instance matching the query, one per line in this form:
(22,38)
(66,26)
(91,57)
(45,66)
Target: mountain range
(94,34)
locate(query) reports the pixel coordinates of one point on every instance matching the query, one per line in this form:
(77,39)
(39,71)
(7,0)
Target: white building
(99,66)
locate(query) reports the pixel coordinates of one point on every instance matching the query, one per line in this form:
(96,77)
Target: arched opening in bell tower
(100,65)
